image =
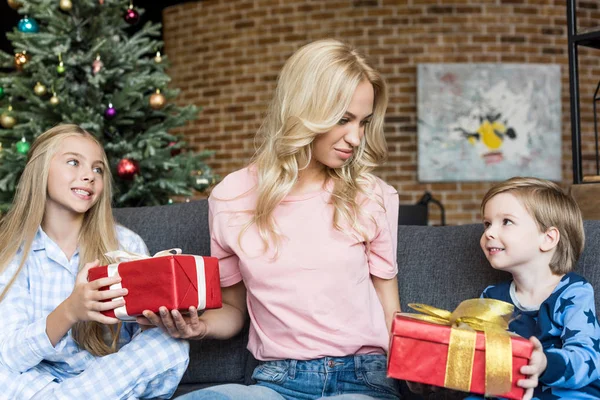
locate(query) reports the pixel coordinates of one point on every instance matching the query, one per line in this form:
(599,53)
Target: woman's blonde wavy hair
(20,225)
(314,90)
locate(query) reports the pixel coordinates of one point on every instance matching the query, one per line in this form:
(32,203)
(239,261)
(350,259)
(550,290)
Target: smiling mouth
(82,192)
(495,250)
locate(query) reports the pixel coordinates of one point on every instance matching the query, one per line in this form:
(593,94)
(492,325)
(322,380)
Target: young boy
(535,231)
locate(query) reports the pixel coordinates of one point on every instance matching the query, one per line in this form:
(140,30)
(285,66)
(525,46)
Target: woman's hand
(537,365)
(175,324)
(85,302)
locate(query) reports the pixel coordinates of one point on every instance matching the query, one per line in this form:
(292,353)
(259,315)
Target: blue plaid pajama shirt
(148,364)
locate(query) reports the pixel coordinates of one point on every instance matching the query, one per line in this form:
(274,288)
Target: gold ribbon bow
(487,315)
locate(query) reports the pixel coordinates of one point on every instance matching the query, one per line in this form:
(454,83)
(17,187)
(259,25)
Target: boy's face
(512,239)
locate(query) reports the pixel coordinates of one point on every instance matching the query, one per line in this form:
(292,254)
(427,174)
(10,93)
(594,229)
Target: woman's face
(334,148)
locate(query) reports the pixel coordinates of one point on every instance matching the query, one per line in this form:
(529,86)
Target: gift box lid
(413,328)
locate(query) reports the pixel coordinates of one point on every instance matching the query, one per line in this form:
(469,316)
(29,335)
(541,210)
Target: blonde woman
(306,238)
(54,342)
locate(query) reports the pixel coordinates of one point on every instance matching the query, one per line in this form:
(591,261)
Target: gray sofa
(440,266)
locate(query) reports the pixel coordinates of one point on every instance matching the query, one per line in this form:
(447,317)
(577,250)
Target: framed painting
(488,122)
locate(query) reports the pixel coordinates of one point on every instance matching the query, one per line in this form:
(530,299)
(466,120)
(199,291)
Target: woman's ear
(551,239)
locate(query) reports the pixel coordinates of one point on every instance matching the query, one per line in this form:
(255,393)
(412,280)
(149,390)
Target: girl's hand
(175,324)
(537,365)
(84,303)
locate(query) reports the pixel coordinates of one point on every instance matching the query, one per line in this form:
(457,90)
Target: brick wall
(226,54)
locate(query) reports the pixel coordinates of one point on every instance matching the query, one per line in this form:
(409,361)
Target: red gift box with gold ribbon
(466,352)
(174,281)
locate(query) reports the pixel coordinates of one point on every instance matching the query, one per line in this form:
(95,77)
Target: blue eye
(365,123)
(343,121)
(98,170)
(73,162)
(507,221)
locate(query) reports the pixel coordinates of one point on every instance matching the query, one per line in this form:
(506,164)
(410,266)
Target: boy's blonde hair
(314,90)
(549,206)
(20,225)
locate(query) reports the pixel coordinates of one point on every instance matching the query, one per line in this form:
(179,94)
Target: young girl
(54,342)
(306,238)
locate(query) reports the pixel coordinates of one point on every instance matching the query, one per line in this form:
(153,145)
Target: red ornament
(131,16)
(174,152)
(127,169)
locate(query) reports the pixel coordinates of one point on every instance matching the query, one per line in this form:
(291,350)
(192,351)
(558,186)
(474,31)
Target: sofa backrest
(440,266)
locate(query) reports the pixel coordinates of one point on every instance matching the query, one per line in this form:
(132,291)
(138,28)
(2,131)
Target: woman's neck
(310,179)
(63,228)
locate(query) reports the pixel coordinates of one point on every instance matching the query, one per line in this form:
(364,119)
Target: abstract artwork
(488,122)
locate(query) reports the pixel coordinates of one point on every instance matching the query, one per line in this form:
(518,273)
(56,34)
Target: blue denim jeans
(344,378)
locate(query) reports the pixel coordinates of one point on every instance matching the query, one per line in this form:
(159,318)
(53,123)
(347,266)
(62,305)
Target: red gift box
(419,353)
(173,281)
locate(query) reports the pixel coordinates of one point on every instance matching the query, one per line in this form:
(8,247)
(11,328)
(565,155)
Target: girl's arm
(387,291)
(222,323)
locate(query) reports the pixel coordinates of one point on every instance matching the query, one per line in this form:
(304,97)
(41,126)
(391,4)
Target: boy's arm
(575,365)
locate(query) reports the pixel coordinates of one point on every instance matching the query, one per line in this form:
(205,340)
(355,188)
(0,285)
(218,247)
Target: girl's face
(76,176)
(334,148)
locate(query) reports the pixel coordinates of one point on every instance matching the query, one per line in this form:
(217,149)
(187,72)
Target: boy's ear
(551,239)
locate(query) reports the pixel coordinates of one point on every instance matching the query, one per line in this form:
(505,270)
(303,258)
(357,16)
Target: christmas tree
(86,62)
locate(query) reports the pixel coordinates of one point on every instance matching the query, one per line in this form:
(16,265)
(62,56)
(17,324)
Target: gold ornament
(157,100)
(158,58)
(66,5)
(39,89)
(21,59)
(14,4)
(6,120)
(54,100)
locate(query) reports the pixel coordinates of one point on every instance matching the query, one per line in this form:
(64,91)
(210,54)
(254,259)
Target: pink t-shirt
(316,299)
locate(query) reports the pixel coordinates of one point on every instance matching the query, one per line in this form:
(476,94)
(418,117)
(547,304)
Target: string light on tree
(21,59)
(157,100)
(127,169)
(23,146)
(28,25)
(7,120)
(39,89)
(66,5)
(131,15)
(158,58)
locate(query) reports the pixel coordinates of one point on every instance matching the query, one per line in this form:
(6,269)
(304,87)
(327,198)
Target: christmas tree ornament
(61,66)
(21,59)
(170,201)
(174,151)
(28,25)
(110,112)
(158,58)
(127,169)
(23,146)
(7,120)
(39,89)
(157,100)
(66,5)
(54,100)
(101,2)
(97,65)
(14,4)
(201,181)
(131,15)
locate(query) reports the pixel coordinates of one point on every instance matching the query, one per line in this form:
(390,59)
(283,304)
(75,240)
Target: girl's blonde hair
(20,225)
(549,206)
(314,90)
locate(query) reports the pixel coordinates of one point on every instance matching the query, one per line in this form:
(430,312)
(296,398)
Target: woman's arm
(222,323)
(387,291)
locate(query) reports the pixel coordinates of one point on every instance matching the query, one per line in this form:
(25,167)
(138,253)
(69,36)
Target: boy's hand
(175,324)
(537,365)
(85,302)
